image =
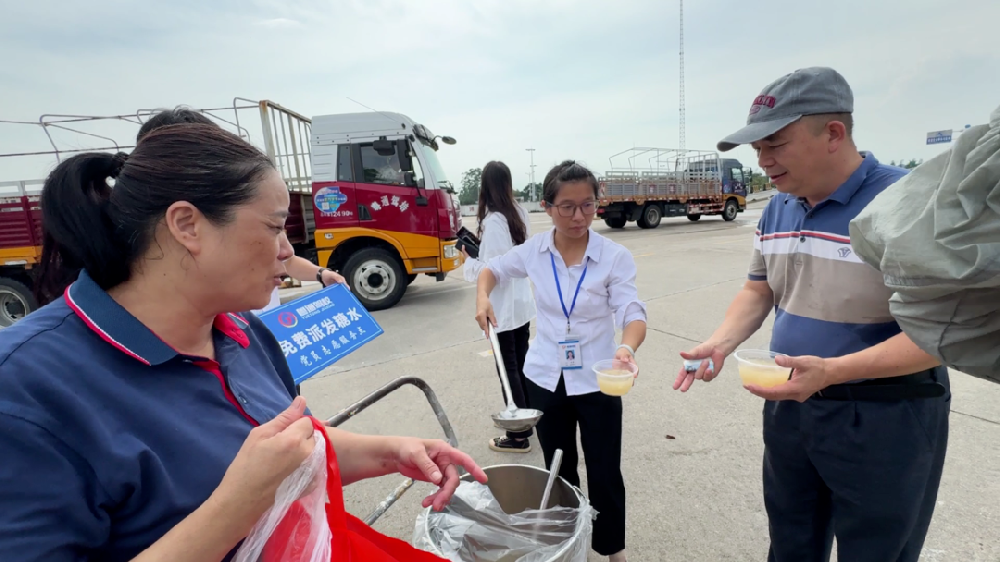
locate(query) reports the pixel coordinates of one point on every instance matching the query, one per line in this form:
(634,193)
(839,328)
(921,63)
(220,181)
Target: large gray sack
(935,237)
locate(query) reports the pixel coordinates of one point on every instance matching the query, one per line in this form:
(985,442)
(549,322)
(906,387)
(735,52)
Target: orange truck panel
(419,251)
(24,255)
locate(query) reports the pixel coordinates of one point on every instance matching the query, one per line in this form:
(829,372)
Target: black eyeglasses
(569,209)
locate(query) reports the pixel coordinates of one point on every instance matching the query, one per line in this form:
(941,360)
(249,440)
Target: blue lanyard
(559,288)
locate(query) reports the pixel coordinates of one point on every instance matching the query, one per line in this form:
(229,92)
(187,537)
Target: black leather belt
(919,385)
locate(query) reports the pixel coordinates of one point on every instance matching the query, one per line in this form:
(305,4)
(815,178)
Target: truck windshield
(431,159)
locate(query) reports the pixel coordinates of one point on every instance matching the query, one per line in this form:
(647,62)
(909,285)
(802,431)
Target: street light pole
(532,174)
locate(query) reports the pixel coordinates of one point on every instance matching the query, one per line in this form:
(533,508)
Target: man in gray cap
(855,439)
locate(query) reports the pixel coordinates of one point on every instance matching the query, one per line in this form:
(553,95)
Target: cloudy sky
(572,79)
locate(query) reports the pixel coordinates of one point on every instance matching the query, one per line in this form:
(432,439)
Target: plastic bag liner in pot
(501,522)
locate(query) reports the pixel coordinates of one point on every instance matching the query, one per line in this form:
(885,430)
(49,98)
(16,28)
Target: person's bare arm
(430,460)
(361,456)
(894,357)
(634,334)
(510,265)
(746,314)
(206,535)
(484,310)
(486,283)
(304,270)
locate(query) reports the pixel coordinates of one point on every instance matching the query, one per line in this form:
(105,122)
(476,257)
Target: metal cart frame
(359,406)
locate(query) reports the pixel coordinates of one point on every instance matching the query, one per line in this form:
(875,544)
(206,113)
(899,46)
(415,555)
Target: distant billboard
(939,137)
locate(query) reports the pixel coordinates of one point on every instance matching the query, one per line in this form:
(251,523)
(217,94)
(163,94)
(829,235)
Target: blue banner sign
(939,137)
(316,330)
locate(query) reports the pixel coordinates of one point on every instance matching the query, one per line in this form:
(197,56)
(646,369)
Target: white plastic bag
(306,487)
(474,527)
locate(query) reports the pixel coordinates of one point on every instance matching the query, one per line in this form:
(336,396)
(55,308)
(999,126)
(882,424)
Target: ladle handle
(553,472)
(495,344)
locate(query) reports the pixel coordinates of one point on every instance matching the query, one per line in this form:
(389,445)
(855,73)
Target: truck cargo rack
(642,172)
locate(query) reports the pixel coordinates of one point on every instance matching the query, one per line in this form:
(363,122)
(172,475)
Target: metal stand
(361,405)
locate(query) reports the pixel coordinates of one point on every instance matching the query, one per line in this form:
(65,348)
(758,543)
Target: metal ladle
(512,419)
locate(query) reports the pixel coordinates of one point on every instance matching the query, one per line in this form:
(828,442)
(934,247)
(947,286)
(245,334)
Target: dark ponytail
(89,225)
(496,194)
(77,230)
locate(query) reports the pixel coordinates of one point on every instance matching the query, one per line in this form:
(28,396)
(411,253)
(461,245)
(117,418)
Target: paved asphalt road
(696,497)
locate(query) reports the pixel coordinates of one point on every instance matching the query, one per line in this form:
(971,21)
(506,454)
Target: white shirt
(513,303)
(608,299)
(275,301)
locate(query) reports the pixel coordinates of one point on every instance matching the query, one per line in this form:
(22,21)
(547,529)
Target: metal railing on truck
(663,172)
(287,135)
(20,214)
(286,140)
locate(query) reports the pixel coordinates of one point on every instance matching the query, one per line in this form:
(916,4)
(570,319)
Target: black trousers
(513,349)
(600,419)
(867,472)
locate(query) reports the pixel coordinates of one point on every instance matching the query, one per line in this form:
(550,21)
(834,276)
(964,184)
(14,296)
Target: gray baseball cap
(807,91)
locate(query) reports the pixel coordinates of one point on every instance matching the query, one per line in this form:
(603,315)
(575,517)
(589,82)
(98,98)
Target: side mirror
(384,147)
(409,180)
(448,140)
(405,159)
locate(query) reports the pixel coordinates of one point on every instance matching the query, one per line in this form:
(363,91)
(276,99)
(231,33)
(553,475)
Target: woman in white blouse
(585,287)
(503,224)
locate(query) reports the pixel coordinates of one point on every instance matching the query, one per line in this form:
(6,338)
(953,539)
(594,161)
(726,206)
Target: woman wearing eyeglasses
(584,289)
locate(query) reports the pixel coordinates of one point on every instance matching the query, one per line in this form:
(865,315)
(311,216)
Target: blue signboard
(318,329)
(939,137)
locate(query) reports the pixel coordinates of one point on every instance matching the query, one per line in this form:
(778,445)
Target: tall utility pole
(682,140)
(532,174)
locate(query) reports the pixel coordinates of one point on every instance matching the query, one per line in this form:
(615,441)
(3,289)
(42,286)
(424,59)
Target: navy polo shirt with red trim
(108,436)
(827,302)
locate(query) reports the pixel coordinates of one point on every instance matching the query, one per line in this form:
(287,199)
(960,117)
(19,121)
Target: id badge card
(570,354)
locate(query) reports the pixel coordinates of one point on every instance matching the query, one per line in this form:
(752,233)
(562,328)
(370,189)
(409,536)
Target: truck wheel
(376,277)
(693,218)
(650,218)
(16,301)
(618,222)
(730,210)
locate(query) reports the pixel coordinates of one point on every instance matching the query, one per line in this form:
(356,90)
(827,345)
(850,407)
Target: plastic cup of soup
(757,367)
(614,377)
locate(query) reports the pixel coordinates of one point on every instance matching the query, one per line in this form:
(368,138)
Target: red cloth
(353,541)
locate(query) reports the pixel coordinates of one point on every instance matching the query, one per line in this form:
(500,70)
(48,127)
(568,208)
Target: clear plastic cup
(757,367)
(614,377)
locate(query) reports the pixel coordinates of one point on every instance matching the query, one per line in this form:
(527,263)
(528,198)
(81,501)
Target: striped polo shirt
(827,301)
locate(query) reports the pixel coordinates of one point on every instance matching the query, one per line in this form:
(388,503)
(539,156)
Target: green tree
(758,181)
(471,180)
(526,192)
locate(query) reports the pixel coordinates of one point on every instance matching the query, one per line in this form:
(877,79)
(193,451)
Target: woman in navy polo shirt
(139,418)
